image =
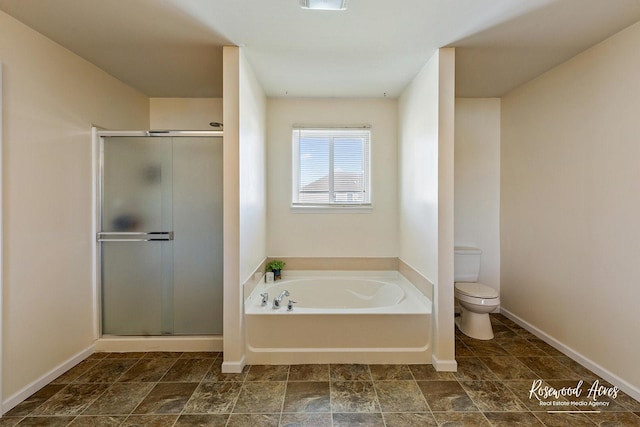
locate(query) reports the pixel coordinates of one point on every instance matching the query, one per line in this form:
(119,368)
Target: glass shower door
(197,248)
(137,233)
(161,235)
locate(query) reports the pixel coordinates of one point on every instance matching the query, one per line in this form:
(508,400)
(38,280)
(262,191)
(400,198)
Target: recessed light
(324,4)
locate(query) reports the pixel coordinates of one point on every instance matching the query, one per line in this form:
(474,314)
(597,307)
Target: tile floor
(491,388)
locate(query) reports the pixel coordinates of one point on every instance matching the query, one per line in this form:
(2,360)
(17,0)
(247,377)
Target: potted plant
(276,267)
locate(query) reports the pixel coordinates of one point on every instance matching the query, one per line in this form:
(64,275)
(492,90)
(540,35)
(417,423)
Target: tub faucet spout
(277,301)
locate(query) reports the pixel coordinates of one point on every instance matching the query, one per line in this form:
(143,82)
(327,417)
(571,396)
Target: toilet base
(475,325)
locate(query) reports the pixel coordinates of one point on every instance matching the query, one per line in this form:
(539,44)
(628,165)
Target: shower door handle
(151,236)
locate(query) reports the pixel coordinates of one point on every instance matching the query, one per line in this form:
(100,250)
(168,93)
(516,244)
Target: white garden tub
(339,317)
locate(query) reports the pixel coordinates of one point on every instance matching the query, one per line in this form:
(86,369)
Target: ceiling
(173,48)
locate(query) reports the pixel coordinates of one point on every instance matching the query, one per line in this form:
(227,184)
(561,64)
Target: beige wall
(426,149)
(185,113)
(253,179)
(51,99)
(355,234)
(570,205)
(477,182)
(244,215)
(418,163)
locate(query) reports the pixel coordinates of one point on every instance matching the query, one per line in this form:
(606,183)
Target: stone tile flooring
(491,388)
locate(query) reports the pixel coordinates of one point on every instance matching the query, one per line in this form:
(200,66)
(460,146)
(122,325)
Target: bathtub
(339,317)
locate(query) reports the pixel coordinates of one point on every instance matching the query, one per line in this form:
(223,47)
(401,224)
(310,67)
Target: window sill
(323,209)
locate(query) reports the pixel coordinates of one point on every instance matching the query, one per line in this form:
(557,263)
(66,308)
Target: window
(331,167)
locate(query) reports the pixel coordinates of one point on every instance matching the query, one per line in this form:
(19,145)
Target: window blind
(331,167)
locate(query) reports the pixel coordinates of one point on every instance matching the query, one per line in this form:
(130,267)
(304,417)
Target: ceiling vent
(324,4)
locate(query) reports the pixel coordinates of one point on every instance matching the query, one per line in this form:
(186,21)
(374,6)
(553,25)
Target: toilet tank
(466,264)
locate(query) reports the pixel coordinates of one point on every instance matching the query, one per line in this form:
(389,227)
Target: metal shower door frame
(98,136)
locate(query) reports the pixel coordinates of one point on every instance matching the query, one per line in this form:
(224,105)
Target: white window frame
(362,131)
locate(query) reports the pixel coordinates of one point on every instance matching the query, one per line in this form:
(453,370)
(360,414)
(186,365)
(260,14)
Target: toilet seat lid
(474,289)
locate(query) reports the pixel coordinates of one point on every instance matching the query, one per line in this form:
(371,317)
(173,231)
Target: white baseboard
(180,343)
(444,365)
(36,385)
(622,384)
(233,367)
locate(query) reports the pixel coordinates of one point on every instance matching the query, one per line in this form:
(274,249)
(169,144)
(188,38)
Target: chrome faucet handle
(290,305)
(265,298)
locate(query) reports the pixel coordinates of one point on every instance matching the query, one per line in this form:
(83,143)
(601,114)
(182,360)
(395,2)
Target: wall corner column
(444,349)
(233,334)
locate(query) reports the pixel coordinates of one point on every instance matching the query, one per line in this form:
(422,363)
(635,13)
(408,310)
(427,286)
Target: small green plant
(275,265)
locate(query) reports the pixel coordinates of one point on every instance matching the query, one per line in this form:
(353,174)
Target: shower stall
(159,233)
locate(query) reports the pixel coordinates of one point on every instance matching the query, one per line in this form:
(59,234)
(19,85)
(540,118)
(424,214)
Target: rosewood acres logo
(573,396)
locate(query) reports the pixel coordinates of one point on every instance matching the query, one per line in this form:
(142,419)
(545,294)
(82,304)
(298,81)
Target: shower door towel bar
(151,236)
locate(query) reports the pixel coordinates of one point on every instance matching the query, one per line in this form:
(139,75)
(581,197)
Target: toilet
(476,300)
